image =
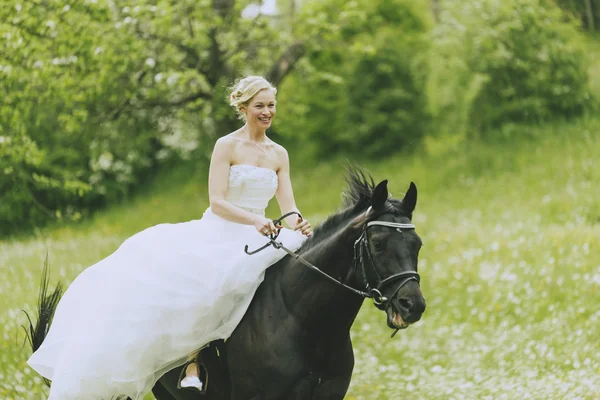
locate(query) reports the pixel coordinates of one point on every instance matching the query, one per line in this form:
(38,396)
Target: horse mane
(359,189)
(355,198)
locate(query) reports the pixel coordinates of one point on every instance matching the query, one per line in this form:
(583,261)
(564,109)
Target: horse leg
(161,393)
(332,389)
(311,388)
(335,382)
(303,389)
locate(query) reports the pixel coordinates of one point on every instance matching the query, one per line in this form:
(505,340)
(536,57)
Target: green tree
(586,11)
(361,89)
(97,94)
(495,62)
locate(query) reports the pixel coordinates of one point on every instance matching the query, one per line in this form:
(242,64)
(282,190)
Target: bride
(171,289)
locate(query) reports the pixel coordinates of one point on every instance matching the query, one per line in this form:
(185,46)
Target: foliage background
(110,109)
(100,95)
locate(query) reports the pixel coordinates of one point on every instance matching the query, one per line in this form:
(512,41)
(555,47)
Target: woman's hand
(265,226)
(304,227)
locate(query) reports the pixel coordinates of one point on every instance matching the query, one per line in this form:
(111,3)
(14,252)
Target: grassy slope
(509,270)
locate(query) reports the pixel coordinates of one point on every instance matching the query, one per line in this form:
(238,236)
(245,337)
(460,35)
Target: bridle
(374,283)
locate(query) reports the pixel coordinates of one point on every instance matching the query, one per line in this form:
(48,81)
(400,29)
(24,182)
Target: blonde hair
(244,91)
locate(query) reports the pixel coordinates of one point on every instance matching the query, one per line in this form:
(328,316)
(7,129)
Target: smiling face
(261,110)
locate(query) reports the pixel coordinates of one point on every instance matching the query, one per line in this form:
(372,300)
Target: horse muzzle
(404,311)
(395,320)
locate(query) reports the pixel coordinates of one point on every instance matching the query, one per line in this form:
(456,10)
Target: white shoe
(191,382)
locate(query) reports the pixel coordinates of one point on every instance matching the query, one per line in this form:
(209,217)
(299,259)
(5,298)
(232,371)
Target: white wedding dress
(166,292)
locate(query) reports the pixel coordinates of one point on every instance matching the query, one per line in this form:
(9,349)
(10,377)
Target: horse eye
(377,244)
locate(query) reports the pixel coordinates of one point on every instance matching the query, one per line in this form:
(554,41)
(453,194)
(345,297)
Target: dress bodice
(251,187)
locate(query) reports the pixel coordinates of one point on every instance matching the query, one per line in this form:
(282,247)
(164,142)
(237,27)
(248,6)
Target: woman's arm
(285,195)
(218,183)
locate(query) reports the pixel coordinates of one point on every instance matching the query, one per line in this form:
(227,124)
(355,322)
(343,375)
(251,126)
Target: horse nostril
(405,303)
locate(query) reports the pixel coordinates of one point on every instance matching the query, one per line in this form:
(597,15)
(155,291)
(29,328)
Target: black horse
(294,341)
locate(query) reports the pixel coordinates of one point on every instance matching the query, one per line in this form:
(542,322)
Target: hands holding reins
(265,226)
(304,227)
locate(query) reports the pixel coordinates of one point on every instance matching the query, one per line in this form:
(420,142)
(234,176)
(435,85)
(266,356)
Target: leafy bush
(360,91)
(498,61)
(578,9)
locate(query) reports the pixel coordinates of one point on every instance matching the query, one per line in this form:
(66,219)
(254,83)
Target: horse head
(387,256)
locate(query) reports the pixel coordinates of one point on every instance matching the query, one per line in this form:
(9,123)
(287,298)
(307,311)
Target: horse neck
(315,299)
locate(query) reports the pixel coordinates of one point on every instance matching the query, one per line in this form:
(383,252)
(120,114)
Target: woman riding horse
(287,339)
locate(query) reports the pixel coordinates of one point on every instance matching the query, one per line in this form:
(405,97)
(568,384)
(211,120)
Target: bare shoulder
(227,143)
(228,140)
(282,157)
(281,152)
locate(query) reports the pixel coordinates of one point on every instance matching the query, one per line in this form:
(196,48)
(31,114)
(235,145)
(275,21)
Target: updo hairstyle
(244,91)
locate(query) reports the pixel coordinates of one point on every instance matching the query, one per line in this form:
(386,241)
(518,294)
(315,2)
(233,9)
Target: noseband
(362,255)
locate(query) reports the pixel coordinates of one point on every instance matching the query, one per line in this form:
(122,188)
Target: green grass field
(510,269)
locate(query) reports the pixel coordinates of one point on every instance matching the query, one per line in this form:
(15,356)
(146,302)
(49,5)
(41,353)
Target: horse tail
(46,307)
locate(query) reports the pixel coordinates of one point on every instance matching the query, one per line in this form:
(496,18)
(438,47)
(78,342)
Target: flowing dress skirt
(166,292)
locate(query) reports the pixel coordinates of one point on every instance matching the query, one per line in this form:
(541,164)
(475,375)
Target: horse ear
(380,195)
(410,199)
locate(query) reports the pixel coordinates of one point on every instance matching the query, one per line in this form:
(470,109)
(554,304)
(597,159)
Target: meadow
(510,268)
